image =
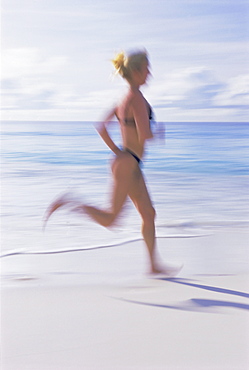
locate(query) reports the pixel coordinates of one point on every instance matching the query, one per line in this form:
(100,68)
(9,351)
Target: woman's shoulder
(135,97)
(132,98)
(138,101)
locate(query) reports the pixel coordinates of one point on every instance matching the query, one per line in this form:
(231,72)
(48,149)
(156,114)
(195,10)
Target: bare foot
(167,271)
(64,200)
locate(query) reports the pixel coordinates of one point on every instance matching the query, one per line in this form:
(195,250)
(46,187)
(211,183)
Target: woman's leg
(65,200)
(123,168)
(139,195)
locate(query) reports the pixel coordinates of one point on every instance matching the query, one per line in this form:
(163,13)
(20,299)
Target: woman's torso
(127,123)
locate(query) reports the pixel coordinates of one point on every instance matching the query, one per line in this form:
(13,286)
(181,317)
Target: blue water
(197,174)
(211,149)
(189,148)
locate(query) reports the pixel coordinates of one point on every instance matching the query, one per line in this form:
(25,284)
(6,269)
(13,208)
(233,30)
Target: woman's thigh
(139,194)
(123,168)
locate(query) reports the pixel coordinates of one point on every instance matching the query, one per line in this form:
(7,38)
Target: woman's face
(144,72)
(140,76)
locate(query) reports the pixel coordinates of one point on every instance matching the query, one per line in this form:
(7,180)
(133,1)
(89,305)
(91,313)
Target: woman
(133,114)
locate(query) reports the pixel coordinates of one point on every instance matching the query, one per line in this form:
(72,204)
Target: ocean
(197,175)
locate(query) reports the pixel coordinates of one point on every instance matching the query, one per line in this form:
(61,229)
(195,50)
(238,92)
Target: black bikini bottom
(133,155)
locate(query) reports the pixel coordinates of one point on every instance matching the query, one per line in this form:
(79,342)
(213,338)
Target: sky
(56,58)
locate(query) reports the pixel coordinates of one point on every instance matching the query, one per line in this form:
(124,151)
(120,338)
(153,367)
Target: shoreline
(219,253)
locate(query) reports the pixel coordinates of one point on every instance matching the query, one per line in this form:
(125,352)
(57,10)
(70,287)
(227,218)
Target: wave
(205,225)
(83,249)
(191,230)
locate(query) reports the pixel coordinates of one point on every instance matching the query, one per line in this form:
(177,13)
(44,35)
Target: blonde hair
(125,64)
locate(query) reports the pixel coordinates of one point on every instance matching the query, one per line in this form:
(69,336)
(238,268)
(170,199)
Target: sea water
(197,175)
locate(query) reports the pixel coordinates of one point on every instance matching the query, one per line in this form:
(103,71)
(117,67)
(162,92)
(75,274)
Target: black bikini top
(131,121)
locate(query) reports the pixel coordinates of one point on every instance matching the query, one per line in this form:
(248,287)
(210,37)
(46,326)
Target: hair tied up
(119,61)
(126,64)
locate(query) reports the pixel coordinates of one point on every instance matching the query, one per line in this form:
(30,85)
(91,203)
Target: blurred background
(57,80)
(56,57)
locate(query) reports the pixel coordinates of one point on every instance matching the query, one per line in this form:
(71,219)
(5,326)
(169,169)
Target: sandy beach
(92,93)
(69,304)
(188,322)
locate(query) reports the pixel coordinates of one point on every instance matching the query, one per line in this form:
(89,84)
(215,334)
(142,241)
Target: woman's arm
(102,130)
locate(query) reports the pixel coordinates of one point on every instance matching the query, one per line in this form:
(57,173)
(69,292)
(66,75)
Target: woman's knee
(152,213)
(148,215)
(109,220)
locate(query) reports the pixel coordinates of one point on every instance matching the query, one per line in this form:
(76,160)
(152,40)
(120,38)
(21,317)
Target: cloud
(39,83)
(198,88)
(190,88)
(235,93)
(21,62)
(27,82)
(32,81)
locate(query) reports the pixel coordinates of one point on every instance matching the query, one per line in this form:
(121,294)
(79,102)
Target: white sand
(193,322)
(151,324)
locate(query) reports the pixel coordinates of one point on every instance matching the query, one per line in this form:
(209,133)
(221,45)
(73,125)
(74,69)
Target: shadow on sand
(198,305)
(206,287)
